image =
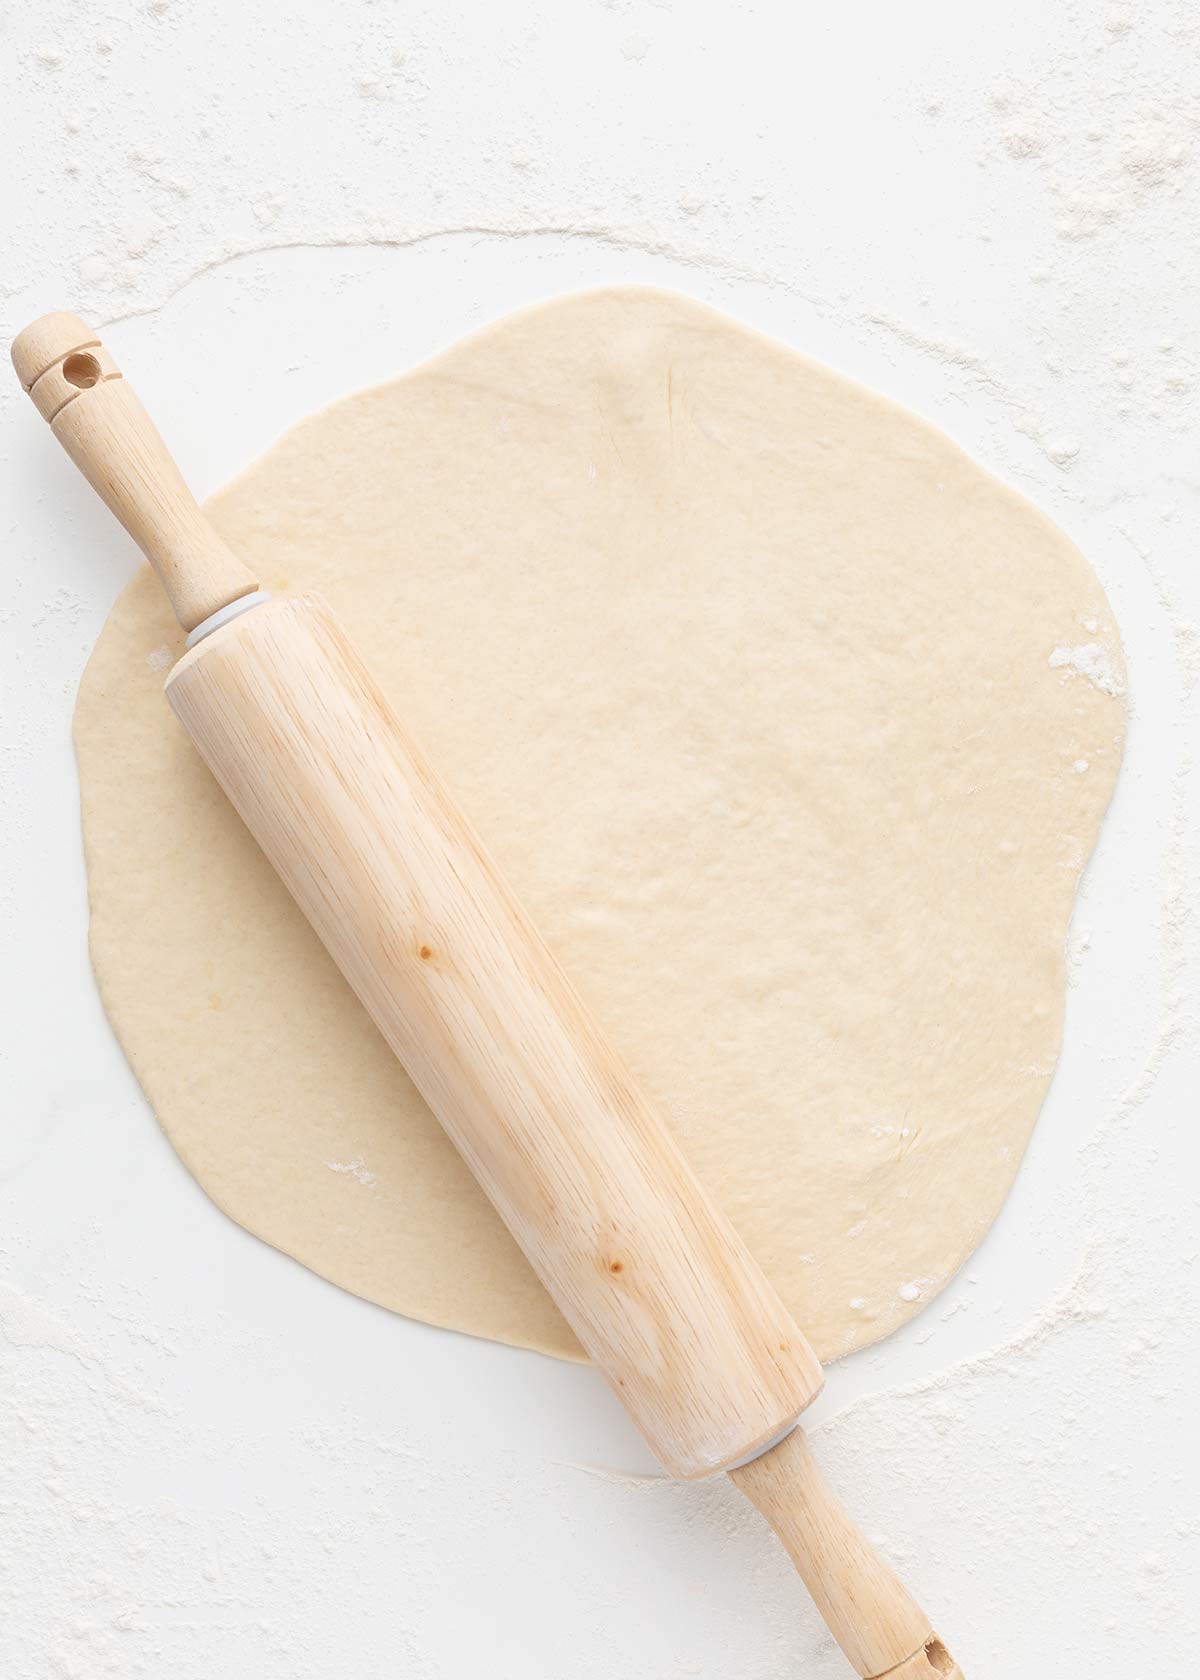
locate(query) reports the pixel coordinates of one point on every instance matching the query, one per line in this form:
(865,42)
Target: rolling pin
(656,1284)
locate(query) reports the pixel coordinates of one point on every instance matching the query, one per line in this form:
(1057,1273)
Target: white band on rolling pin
(223,615)
(759,1452)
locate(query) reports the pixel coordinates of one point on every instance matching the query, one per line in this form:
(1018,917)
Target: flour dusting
(355,1169)
(1093,661)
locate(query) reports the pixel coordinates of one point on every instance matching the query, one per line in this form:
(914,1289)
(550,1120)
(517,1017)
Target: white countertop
(217,1466)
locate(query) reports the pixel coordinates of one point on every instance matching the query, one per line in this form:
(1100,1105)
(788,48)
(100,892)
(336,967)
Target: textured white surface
(213,1463)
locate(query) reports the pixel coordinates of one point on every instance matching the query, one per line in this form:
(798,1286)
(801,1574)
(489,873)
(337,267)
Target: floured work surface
(792,728)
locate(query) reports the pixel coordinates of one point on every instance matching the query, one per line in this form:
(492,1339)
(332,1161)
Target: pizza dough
(791,726)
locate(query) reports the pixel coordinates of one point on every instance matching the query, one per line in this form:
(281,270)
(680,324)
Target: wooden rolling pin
(656,1284)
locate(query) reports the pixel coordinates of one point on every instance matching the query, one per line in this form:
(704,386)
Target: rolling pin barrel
(652,1278)
(655,1282)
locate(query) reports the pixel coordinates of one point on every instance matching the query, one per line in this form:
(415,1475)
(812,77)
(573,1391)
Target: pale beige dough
(793,729)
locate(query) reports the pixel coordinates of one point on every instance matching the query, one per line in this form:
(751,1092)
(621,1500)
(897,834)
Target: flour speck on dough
(1091,660)
(355,1169)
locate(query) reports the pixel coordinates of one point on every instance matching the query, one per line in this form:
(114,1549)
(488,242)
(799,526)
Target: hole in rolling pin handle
(81,370)
(939,1659)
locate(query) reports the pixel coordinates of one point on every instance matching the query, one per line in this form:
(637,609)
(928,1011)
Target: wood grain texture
(870,1614)
(658,1287)
(103,427)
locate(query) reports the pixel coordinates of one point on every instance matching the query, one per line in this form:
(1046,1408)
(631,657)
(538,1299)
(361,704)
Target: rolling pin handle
(883,1632)
(95,415)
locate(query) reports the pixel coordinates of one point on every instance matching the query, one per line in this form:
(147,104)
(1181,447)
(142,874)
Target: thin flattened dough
(792,728)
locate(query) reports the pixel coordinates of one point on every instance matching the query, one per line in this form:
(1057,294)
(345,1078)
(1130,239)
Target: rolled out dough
(793,729)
